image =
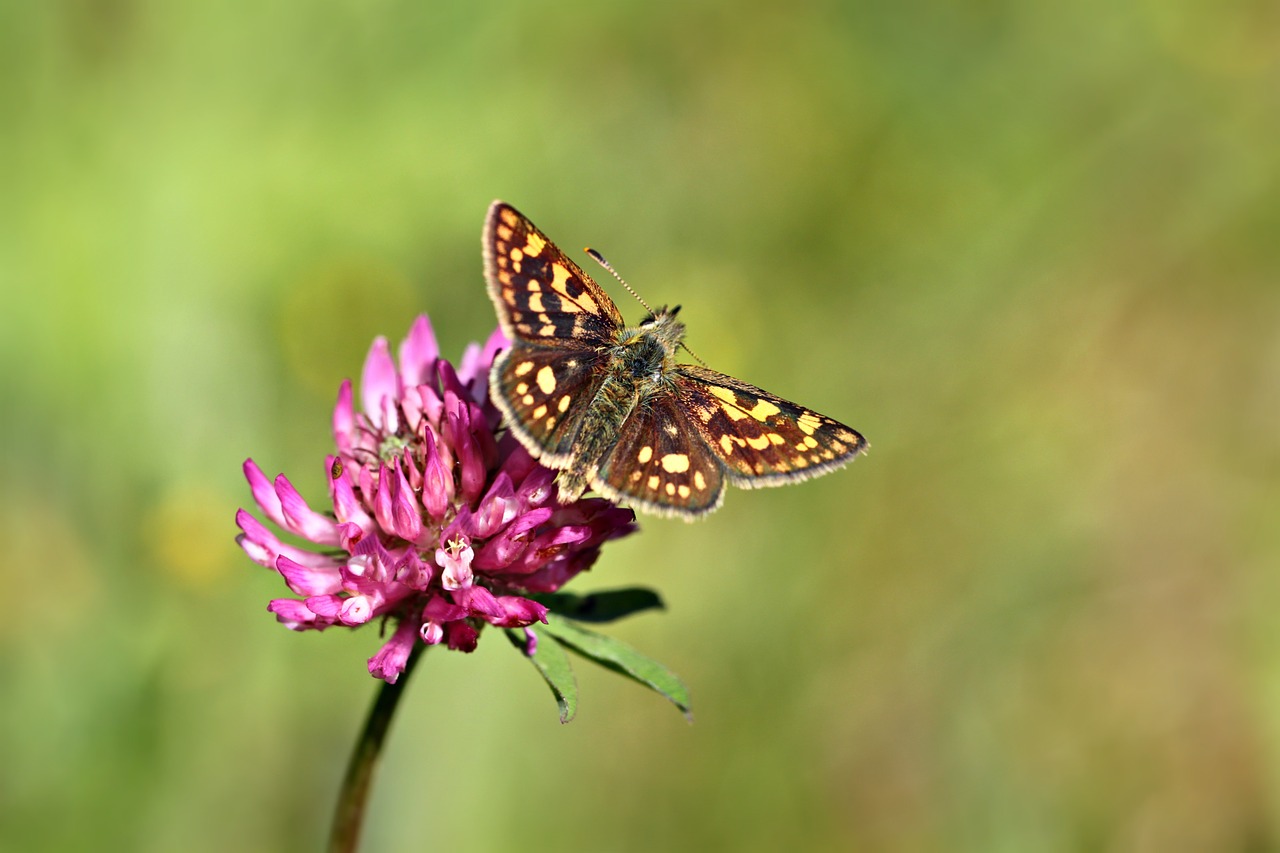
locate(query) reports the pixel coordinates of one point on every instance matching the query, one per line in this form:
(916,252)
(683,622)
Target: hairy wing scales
(759,438)
(660,464)
(544,394)
(542,297)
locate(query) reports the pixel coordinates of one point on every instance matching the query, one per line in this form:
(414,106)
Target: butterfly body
(609,406)
(639,370)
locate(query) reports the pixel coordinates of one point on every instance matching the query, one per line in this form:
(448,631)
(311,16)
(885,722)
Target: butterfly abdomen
(638,371)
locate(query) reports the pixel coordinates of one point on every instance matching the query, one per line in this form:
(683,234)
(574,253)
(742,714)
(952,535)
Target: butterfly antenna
(599,259)
(685,347)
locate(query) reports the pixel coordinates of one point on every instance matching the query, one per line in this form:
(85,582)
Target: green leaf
(619,657)
(603,606)
(553,665)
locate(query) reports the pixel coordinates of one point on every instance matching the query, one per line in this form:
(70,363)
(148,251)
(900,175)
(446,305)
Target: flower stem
(349,813)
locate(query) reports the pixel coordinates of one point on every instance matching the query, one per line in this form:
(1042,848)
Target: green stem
(349,814)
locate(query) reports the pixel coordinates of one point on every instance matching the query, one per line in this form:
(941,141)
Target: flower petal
(390,660)
(263,547)
(344,420)
(378,382)
(301,518)
(309,580)
(437,477)
(264,494)
(347,508)
(294,615)
(418,354)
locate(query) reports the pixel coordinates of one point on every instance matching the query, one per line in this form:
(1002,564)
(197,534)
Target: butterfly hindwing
(761,439)
(545,393)
(542,297)
(660,463)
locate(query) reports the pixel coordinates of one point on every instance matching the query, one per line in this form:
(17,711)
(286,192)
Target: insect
(608,406)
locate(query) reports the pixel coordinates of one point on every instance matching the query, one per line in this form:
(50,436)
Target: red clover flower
(440,524)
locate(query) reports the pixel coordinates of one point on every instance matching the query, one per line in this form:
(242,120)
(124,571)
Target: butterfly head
(663,325)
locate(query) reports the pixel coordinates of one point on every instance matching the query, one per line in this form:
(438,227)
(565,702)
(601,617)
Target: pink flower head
(439,522)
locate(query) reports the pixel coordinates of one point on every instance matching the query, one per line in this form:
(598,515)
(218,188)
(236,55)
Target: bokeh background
(1029,249)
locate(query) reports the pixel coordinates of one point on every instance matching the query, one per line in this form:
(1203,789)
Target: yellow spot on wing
(809,422)
(534,244)
(540,411)
(675,463)
(726,444)
(759,442)
(653,482)
(535,302)
(559,275)
(523,367)
(546,379)
(730,399)
(763,409)
(564,403)
(671,488)
(522,388)
(699,481)
(645,454)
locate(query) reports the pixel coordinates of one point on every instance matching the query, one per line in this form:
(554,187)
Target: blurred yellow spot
(186,535)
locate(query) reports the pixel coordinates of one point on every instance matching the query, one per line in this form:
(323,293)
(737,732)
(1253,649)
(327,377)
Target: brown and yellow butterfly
(607,405)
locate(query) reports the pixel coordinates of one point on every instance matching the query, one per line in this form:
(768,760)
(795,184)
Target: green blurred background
(1029,249)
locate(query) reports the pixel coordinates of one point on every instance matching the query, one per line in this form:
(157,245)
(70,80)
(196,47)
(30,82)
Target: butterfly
(608,406)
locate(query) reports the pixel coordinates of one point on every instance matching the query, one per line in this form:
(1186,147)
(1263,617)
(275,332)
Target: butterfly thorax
(640,367)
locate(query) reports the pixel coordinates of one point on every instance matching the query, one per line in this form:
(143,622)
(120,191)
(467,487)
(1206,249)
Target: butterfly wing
(559,322)
(760,439)
(544,394)
(542,297)
(660,463)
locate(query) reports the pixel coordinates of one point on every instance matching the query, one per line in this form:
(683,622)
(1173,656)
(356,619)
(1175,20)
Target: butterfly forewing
(660,464)
(761,439)
(544,394)
(542,297)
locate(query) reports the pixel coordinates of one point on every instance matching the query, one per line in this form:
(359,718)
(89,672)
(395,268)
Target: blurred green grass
(1028,250)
